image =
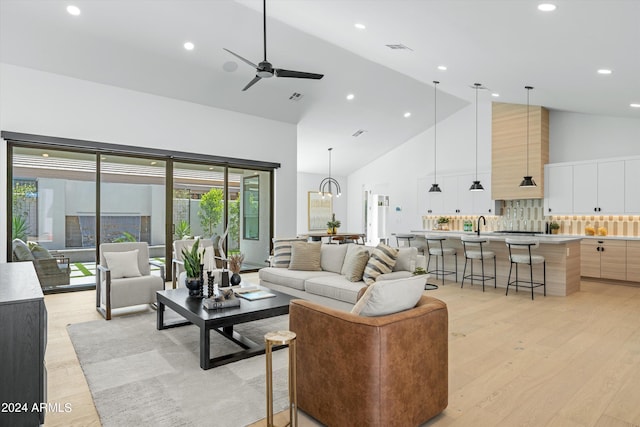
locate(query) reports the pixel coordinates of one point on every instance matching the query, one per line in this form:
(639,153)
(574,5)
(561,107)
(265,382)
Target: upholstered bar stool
(436,249)
(520,253)
(473,250)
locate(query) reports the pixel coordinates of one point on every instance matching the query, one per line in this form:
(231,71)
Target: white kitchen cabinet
(632,186)
(482,203)
(558,189)
(598,188)
(455,198)
(434,202)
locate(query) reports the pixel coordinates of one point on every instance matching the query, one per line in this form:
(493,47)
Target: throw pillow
(354,265)
(332,257)
(406,260)
(282,251)
(38,251)
(390,296)
(382,260)
(21,251)
(305,256)
(123,264)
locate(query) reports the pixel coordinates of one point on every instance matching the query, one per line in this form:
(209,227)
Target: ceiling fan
(264,69)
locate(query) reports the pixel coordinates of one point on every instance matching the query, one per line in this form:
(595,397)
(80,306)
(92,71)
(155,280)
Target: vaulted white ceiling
(504,45)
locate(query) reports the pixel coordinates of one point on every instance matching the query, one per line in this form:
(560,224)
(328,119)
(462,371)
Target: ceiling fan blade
(297,74)
(252,82)
(246,61)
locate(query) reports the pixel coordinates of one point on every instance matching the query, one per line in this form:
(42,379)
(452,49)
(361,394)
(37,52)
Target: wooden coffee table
(221,321)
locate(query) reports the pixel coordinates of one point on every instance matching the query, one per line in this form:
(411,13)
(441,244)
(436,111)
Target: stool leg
(516,277)
(531,275)
(455,260)
(544,277)
(464,271)
(482,266)
(495,284)
(268,356)
(471,273)
(509,279)
(443,268)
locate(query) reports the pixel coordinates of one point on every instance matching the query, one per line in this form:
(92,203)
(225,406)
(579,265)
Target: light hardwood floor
(556,361)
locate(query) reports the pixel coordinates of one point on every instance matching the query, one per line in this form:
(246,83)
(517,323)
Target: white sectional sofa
(331,281)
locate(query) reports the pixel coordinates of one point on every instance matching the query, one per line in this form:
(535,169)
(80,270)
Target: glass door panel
(132,202)
(53,207)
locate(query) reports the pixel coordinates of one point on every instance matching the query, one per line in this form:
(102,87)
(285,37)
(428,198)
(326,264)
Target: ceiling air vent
(358,133)
(295,96)
(398,47)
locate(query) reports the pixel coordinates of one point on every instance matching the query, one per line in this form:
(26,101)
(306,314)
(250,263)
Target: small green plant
(554,226)
(20,228)
(419,271)
(183,229)
(443,220)
(125,237)
(193,261)
(333,223)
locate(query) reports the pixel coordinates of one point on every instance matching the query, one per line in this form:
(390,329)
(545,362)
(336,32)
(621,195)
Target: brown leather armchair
(371,371)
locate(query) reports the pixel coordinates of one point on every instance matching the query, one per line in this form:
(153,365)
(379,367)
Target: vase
(235,279)
(194,286)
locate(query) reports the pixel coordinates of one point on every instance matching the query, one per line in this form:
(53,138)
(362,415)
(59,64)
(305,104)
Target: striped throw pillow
(381,261)
(282,251)
(305,256)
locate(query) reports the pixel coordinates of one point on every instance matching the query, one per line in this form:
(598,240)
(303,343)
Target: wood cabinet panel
(589,258)
(633,260)
(509,150)
(613,260)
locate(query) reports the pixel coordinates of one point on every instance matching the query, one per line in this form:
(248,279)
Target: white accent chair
(128,280)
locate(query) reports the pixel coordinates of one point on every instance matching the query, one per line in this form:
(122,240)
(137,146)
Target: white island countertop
(499,237)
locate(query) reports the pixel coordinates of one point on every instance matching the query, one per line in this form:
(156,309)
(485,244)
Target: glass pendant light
(527,181)
(476,186)
(435,188)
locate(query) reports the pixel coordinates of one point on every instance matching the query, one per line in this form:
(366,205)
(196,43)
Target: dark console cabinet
(23,340)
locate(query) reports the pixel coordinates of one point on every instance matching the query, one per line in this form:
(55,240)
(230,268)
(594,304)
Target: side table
(276,339)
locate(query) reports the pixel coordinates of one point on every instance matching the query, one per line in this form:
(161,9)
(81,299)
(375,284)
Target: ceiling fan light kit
(264,69)
(527,181)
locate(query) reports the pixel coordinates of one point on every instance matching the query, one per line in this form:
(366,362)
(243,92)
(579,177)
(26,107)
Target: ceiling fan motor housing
(265,70)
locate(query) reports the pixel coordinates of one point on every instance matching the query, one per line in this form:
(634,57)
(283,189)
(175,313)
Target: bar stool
(436,249)
(403,237)
(526,245)
(473,250)
(279,338)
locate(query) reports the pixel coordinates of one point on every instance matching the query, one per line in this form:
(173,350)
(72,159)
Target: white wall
(310,182)
(574,136)
(396,174)
(42,103)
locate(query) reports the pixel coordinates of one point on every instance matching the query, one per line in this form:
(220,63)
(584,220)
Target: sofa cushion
(387,297)
(406,259)
(21,251)
(352,249)
(394,275)
(354,266)
(382,260)
(123,264)
(334,286)
(39,252)
(282,251)
(332,257)
(305,256)
(290,278)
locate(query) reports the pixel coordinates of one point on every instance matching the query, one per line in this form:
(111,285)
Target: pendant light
(527,181)
(326,184)
(476,186)
(435,188)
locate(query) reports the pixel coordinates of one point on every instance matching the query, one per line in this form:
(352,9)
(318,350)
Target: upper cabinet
(455,198)
(632,186)
(509,150)
(558,189)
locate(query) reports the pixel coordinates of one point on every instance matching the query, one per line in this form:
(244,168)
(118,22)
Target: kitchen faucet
(484,221)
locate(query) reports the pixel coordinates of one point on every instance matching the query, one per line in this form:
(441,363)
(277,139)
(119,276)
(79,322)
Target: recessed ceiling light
(189,45)
(407,114)
(604,71)
(546,7)
(495,95)
(45,155)
(360,26)
(442,67)
(350,96)
(634,105)
(73,10)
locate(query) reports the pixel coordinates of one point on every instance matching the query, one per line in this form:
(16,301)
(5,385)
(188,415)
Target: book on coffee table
(254,295)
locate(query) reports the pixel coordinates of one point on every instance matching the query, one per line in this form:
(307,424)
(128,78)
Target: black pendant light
(476,186)
(327,183)
(527,181)
(435,188)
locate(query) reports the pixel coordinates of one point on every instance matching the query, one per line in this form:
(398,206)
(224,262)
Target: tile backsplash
(528,215)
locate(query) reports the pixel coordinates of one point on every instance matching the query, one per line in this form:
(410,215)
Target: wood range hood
(509,150)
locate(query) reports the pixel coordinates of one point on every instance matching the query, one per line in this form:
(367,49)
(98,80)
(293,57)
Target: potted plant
(419,271)
(443,223)
(333,225)
(193,267)
(235,264)
(554,227)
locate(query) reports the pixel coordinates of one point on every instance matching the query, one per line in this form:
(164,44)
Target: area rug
(139,376)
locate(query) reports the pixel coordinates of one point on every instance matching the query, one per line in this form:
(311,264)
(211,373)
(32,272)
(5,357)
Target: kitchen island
(562,255)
